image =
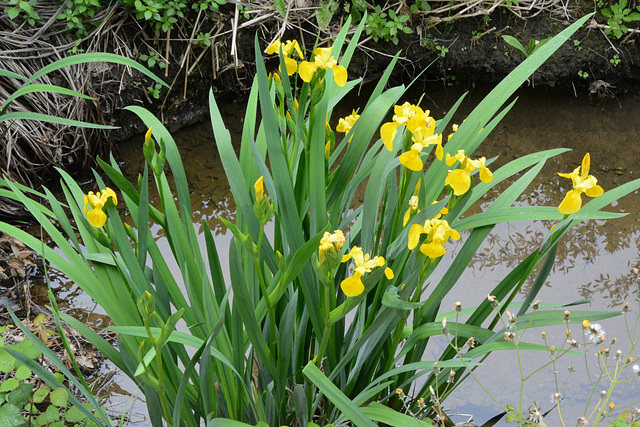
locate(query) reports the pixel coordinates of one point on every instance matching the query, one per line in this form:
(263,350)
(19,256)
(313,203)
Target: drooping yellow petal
(306,70)
(352,286)
(571,203)
(291,65)
(340,75)
(388,273)
(96,217)
(459,180)
(433,250)
(485,174)
(415,232)
(388,133)
(594,191)
(411,159)
(439,152)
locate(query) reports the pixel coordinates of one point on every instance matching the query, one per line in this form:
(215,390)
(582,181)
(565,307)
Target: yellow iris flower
(345,124)
(438,232)
(330,242)
(423,137)
(460,179)
(582,183)
(288,48)
(323,59)
(353,286)
(409,115)
(96,201)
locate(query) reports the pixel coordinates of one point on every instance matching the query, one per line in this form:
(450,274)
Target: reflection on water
(593,260)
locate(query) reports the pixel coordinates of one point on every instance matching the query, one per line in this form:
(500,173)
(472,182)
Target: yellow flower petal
(414,235)
(439,152)
(352,286)
(291,65)
(388,273)
(459,180)
(571,203)
(411,159)
(340,75)
(595,191)
(485,174)
(586,163)
(109,193)
(407,215)
(433,250)
(259,189)
(96,217)
(274,47)
(388,133)
(306,70)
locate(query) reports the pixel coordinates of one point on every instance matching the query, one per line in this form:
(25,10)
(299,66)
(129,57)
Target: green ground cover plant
(328,305)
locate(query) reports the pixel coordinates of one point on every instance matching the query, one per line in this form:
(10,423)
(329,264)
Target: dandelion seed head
(595,333)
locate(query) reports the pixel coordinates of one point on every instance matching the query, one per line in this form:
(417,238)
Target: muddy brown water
(594,260)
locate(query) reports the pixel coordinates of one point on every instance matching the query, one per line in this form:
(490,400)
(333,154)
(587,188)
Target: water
(593,261)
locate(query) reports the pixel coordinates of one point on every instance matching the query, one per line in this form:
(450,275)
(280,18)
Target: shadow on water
(593,261)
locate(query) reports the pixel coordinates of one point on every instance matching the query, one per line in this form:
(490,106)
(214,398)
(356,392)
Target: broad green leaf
(9,384)
(41,393)
(22,373)
(11,416)
(59,397)
(74,415)
(50,415)
(7,361)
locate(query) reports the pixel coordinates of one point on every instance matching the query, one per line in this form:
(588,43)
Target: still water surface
(593,261)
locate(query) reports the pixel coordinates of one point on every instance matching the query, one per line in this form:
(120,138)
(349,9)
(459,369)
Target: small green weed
(75,13)
(617,15)
(155,90)
(583,75)
(615,61)
(383,26)
(203,40)
(24,9)
(576,45)
(420,6)
(152,59)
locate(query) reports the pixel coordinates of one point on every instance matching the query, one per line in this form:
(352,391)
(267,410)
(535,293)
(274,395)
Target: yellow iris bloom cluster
(438,232)
(323,59)
(288,48)
(330,243)
(421,125)
(353,286)
(96,201)
(345,124)
(460,179)
(582,183)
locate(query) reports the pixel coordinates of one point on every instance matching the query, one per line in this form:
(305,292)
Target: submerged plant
(311,326)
